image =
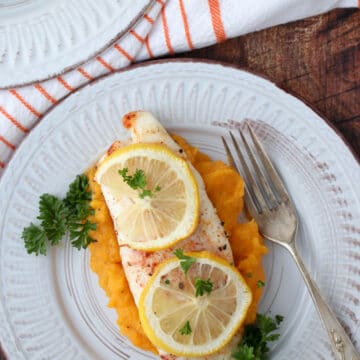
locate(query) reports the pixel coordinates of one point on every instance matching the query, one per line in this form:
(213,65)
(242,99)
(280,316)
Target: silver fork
(269,203)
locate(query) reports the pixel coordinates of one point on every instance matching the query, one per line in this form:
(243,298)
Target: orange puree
(226,190)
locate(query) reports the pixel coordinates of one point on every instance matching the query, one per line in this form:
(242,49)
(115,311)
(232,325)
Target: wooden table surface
(316,59)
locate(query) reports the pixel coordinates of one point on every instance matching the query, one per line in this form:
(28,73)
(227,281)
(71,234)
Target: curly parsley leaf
(53,216)
(137,181)
(185,260)
(185,329)
(145,193)
(61,216)
(78,191)
(34,240)
(246,352)
(78,197)
(202,286)
(77,201)
(253,345)
(79,234)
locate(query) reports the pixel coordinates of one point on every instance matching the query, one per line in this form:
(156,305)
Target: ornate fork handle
(341,344)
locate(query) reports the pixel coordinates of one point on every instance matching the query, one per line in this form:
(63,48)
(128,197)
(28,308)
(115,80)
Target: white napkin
(168,27)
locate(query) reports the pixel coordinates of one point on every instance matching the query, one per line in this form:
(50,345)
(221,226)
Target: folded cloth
(167,27)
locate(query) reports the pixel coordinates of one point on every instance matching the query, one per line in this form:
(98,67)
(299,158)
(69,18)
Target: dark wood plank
(316,59)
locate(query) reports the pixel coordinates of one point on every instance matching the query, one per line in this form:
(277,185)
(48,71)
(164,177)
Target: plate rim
(69,68)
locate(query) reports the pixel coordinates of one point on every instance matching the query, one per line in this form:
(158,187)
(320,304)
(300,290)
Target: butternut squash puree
(226,190)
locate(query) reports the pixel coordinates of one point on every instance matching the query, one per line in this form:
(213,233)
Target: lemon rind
(158,244)
(160,343)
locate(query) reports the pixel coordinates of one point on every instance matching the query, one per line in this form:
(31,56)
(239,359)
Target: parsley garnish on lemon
(202,286)
(213,318)
(59,217)
(185,261)
(186,329)
(138,181)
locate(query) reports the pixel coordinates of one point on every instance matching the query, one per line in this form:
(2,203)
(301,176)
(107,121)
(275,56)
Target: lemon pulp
(169,302)
(153,222)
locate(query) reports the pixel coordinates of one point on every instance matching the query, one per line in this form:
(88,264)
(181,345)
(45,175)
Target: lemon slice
(155,221)
(181,323)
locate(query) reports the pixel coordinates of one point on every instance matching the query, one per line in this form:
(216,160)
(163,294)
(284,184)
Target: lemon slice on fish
(179,320)
(151,194)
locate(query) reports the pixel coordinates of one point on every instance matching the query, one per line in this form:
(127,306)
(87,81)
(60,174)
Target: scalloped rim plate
(37,36)
(53,305)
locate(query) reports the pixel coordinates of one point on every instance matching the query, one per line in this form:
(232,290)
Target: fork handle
(341,344)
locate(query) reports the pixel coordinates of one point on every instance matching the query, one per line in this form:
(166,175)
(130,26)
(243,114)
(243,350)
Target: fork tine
(231,161)
(272,173)
(251,185)
(229,157)
(262,182)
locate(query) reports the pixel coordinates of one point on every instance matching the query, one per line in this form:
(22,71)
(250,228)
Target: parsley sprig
(77,201)
(138,181)
(253,345)
(35,239)
(185,329)
(53,213)
(203,286)
(61,216)
(185,260)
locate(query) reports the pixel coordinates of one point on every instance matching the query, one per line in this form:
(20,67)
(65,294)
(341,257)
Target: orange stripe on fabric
(147,44)
(123,52)
(136,36)
(160,2)
(65,84)
(149,19)
(143,41)
(166,31)
(24,102)
(104,63)
(216,20)
(186,24)
(2,165)
(85,74)
(45,93)
(7,143)
(13,120)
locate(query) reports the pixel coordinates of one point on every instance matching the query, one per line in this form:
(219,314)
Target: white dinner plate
(42,38)
(52,307)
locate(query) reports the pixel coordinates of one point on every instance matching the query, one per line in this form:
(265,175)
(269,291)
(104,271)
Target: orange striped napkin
(167,27)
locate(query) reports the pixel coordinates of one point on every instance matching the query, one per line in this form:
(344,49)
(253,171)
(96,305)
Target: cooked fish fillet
(209,235)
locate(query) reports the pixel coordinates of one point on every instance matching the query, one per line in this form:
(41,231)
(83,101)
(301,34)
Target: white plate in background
(41,38)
